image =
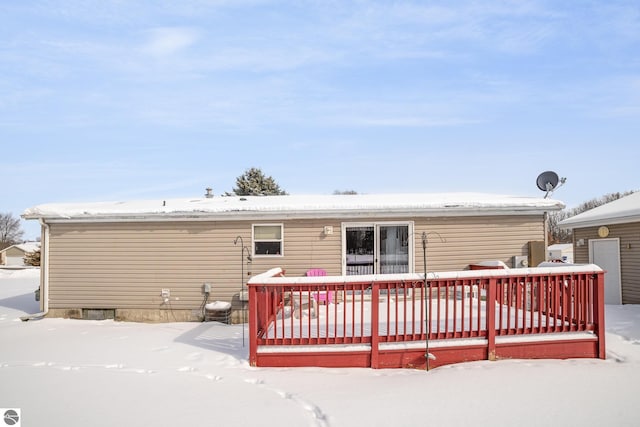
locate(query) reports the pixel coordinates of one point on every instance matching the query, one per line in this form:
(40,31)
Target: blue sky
(110,100)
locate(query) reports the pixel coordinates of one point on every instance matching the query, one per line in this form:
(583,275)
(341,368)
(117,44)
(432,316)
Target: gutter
(44,272)
(567,224)
(256,215)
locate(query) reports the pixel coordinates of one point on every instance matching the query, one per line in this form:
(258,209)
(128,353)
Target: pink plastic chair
(316,272)
(323,297)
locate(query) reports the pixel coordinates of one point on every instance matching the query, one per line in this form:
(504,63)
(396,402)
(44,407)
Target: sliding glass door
(393,249)
(377,248)
(360,250)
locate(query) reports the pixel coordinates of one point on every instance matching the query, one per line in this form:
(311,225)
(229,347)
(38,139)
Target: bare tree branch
(10,231)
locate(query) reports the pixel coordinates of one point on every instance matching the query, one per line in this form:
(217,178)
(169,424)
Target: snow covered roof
(296,206)
(25,247)
(621,211)
(560,246)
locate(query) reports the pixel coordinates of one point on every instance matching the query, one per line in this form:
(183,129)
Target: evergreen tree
(254,183)
(32,258)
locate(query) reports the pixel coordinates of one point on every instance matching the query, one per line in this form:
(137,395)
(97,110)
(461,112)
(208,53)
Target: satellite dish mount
(548,181)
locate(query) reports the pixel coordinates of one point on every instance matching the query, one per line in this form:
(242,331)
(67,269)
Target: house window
(267,240)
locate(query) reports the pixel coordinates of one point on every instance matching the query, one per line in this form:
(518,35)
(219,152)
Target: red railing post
(490,308)
(598,311)
(253,325)
(375,324)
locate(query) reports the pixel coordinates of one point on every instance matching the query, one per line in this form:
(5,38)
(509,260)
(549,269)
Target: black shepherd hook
(243,250)
(425,239)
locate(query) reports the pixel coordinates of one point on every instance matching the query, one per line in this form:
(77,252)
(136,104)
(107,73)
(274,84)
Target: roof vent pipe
(209,193)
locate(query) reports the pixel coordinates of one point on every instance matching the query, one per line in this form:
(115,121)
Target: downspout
(44,273)
(545,219)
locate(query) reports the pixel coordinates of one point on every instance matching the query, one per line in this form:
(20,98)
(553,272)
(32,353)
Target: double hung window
(267,240)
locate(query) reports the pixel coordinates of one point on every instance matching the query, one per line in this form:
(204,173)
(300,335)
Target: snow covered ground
(102,373)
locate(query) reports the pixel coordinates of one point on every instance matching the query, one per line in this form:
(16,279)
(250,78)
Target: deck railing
(481,307)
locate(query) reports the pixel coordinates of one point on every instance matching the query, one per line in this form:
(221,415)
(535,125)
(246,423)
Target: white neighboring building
(561,251)
(13,256)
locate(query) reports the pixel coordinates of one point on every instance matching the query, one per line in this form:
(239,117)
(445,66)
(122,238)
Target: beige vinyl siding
(14,252)
(629,235)
(468,240)
(473,239)
(125,265)
(306,247)
(581,253)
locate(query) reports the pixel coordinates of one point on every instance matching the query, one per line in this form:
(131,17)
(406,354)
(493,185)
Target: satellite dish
(548,181)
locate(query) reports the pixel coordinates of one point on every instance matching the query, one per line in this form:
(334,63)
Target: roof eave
(596,222)
(306,214)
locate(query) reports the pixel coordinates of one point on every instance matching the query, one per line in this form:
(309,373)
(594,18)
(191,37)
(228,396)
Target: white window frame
(253,240)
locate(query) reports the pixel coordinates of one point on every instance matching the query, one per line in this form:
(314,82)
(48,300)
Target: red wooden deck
(393,321)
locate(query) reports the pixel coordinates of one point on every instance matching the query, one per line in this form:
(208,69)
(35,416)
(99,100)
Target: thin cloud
(414,30)
(170,40)
(400,64)
(412,122)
